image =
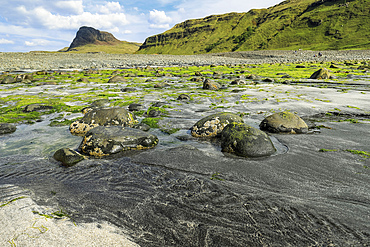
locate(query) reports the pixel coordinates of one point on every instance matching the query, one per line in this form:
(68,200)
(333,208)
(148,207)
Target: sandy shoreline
(55,61)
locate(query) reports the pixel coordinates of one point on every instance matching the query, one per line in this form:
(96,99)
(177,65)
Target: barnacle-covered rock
(103,117)
(214,124)
(102,141)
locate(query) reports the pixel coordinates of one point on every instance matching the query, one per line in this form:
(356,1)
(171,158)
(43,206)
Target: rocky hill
(290,25)
(89,39)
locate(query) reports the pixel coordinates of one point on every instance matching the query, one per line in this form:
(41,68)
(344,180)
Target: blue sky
(27,25)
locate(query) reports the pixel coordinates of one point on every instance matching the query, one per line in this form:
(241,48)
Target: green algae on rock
(214,124)
(102,141)
(285,122)
(246,141)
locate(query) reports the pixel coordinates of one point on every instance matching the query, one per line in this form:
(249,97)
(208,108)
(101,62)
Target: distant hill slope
(292,24)
(89,39)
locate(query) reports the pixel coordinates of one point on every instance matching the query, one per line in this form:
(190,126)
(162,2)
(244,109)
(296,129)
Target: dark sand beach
(314,191)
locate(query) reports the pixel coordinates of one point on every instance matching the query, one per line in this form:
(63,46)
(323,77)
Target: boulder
(161,85)
(102,117)
(106,140)
(284,122)
(243,140)
(6,128)
(211,85)
(142,126)
(238,82)
(214,124)
(68,157)
(128,89)
(8,80)
(184,97)
(135,107)
(37,107)
(321,74)
(85,80)
(117,78)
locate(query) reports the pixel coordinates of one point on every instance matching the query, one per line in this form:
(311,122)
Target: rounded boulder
(103,117)
(102,141)
(243,140)
(284,122)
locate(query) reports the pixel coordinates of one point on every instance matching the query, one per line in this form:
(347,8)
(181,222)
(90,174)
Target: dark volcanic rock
(214,124)
(103,117)
(244,140)
(211,85)
(321,74)
(37,107)
(6,128)
(135,107)
(68,157)
(103,141)
(89,35)
(285,122)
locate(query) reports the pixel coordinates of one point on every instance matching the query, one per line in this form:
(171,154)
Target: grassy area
(290,25)
(121,48)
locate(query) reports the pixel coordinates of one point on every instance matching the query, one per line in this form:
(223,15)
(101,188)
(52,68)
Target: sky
(50,25)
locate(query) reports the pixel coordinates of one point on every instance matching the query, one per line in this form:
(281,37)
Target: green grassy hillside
(122,47)
(290,25)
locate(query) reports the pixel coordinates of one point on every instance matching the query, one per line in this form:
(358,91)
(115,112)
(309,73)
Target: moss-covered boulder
(102,141)
(284,122)
(211,85)
(243,140)
(68,157)
(214,124)
(321,74)
(6,128)
(103,117)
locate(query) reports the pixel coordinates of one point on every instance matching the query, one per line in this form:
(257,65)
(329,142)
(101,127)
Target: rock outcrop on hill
(89,35)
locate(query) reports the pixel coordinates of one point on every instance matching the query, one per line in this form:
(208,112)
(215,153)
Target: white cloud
(37,42)
(110,7)
(73,7)
(6,41)
(41,17)
(160,26)
(158,17)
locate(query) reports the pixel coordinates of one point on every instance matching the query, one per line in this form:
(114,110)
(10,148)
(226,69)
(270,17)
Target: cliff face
(89,35)
(292,24)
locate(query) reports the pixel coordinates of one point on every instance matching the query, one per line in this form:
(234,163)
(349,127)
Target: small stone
(36,107)
(184,97)
(6,128)
(8,80)
(135,107)
(117,78)
(211,85)
(68,157)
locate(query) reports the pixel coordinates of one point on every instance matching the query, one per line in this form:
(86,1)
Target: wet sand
(188,193)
